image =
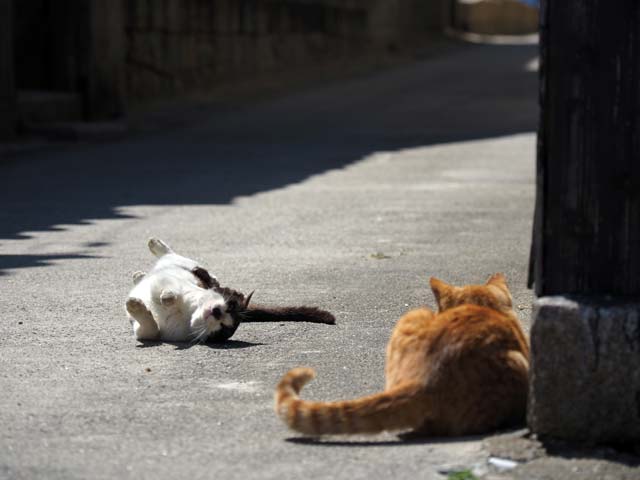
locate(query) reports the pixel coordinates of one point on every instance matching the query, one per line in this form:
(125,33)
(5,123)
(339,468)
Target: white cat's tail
(158,247)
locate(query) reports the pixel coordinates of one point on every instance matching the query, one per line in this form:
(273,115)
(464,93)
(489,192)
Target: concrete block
(585,370)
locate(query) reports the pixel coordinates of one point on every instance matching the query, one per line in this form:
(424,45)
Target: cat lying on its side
(180,301)
(460,371)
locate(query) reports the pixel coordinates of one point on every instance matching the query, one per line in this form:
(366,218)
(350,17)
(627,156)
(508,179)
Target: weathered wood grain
(587,224)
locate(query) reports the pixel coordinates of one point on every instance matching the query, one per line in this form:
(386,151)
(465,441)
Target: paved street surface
(347,196)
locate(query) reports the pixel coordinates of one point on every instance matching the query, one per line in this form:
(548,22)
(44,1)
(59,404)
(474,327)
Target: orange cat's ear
(499,282)
(497,279)
(441,291)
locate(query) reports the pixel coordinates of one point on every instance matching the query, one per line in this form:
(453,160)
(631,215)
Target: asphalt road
(347,196)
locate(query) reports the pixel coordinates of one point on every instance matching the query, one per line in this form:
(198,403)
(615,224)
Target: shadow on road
(402,440)
(26,261)
(624,454)
(475,92)
(227,345)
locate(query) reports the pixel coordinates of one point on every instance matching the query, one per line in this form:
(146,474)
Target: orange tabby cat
(460,371)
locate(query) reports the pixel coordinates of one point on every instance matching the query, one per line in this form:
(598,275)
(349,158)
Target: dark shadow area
(625,454)
(96,244)
(404,439)
(472,93)
(26,261)
(228,345)
(524,447)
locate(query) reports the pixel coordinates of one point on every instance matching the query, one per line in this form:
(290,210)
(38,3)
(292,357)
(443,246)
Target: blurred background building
(496,17)
(80,60)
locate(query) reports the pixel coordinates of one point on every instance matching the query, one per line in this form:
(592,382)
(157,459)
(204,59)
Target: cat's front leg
(138,276)
(158,247)
(144,326)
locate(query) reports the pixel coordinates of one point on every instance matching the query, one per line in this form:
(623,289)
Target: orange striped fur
(460,371)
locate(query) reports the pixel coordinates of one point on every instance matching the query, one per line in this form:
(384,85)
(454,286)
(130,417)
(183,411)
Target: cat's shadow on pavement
(402,439)
(228,345)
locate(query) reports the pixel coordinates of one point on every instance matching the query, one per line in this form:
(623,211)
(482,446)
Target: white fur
(168,304)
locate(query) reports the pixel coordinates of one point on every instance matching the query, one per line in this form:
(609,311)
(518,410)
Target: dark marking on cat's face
(235,305)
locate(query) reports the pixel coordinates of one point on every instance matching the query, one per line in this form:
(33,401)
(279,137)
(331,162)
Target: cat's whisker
(202,335)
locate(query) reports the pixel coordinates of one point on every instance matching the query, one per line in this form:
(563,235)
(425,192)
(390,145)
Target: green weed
(462,475)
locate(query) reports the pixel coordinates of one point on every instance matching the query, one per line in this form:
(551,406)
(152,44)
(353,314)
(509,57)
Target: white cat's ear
(158,247)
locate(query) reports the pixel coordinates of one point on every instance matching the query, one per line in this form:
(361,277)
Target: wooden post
(587,235)
(105,59)
(7,81)
(585,264)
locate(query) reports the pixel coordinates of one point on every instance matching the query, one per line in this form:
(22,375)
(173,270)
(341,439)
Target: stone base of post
(585,370)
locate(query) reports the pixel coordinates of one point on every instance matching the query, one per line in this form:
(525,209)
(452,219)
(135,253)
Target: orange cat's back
(475,362)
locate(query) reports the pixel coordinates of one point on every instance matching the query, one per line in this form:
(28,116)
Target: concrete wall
(73,47)
(180,46)
(116,54)
(395,24)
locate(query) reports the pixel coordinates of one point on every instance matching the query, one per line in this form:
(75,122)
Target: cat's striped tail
(259,313)
(400,408)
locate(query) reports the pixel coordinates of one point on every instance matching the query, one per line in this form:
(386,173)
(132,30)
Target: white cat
(175,301)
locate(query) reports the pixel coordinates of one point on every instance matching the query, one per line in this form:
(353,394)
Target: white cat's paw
(137,276)
(168,298)
(136,307)
(158,247)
